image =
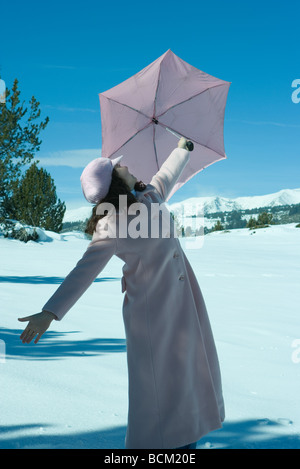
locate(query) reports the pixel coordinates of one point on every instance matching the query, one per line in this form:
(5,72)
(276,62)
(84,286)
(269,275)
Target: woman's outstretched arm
(75,284)
(169,173)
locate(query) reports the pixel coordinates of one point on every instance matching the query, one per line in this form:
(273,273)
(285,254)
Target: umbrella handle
(190,145)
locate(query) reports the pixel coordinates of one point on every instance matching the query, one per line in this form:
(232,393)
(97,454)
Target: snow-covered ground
(70,390)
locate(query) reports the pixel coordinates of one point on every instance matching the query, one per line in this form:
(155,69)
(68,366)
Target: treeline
(74,226)
(235,219)
(277,211)
(264,219)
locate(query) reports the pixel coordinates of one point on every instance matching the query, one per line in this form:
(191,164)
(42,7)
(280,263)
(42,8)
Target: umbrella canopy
(138,114)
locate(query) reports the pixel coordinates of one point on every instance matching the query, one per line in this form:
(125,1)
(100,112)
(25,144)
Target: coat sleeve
(169,173)
(81,277)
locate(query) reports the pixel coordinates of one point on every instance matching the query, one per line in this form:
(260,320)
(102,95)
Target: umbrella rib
(189,99)
(154,145)
(127,141)
(190,138)
(185,101)
(156,92)
(134,135)
(129,107)
(154,111)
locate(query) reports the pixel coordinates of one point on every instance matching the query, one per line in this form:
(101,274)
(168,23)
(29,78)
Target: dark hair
(117,187)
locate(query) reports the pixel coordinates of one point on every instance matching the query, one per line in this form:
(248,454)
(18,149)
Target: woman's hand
(182,143)
(38,325)
(185,144)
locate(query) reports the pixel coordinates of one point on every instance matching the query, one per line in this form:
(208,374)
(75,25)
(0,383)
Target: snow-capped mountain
(211,204)
(221,204)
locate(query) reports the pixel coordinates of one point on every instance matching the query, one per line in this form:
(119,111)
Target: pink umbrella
(170,98)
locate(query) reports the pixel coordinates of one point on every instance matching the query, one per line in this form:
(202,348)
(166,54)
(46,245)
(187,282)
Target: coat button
(182,277)
(175,255)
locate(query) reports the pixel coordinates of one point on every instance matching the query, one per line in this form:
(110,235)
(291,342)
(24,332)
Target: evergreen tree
(252,223)
(264,218)
(234,220)
(218,226)
(19,141)
(35,201)
(294,209)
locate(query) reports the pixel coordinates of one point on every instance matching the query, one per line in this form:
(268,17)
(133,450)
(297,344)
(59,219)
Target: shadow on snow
(56,345)
(39,279)
(252,434)
(35,437)
(248,434)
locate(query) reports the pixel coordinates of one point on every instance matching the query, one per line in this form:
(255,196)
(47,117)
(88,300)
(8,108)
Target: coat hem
(188,438)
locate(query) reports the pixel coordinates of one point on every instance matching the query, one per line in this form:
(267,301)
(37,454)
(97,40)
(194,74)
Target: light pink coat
(175,391)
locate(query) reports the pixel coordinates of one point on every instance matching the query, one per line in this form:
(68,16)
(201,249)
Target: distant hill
(222,204)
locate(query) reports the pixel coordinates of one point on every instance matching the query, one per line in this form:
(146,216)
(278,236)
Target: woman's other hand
(37,326)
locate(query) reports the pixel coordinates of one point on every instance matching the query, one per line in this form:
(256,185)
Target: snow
(78,214)
(70,390)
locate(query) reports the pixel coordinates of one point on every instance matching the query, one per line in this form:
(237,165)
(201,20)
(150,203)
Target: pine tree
(264,218)
(252,223)
(218,226)
(234,220)
(19,141)
(35,201)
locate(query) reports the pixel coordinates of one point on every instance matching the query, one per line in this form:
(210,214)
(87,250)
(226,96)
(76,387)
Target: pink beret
(96,178)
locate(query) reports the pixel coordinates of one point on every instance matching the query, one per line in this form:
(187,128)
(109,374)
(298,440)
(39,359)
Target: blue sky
(66,52)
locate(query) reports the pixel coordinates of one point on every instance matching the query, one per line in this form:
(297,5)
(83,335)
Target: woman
(175,392)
